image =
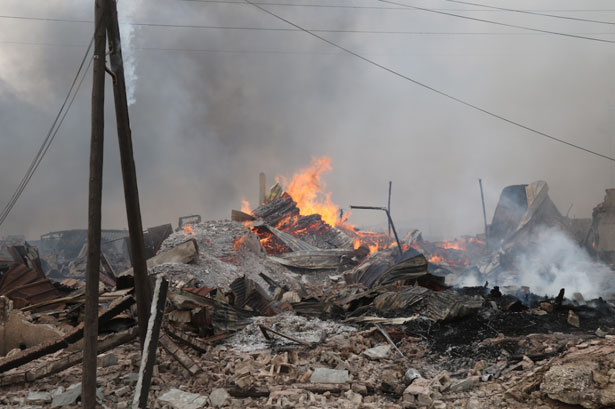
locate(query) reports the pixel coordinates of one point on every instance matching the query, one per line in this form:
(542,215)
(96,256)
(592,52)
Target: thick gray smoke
(212,108)
(555,261)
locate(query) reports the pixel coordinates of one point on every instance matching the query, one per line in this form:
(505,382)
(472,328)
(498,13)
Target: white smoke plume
(128,32)
(553,261)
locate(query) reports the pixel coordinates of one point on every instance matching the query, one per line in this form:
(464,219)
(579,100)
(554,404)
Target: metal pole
(482,198)
(129,173)
(384,209)
(94,208)
(389,205)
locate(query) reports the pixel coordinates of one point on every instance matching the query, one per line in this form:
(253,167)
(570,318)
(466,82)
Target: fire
(188,230)
(435,259)
(245,207)
(307,189)
(356,243)
(456,252)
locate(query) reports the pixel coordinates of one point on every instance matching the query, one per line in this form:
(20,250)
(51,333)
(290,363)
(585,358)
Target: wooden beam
(94,206)
(129,173)
(148,357)
(67,361)
(32,353)
(180,356)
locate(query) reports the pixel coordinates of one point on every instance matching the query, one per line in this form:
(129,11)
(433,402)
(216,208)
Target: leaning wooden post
(148,357)
(482,198)
(129,174)
(389,204)
(94,208)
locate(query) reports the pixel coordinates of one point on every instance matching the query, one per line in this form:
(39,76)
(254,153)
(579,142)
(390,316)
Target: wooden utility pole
(88,394)
(129,174)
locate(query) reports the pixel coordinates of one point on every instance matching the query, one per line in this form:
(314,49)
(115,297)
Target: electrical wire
(376,7)
(536,13)
(404,7)
(499,23)
(430,88)
(51,134)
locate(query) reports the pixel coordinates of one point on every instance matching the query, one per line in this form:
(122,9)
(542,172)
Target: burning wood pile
(289,305)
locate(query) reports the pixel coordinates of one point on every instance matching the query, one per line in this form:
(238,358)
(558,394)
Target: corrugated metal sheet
(25,286)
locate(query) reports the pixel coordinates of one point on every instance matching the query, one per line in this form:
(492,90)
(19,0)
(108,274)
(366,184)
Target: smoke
(213,108)
(127,13)
(553,261)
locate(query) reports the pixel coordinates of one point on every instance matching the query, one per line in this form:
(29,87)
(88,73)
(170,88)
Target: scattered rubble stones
(38,397)
(573,319)
(410,375)
(307,329)
(227,250)
(105,360)
(218,397)
(69,397)
(178,399)
(326,375)
(378,352)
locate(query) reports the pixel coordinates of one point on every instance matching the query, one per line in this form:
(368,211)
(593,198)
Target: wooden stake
(129,174)
(94,208)
(148,357)
(482,198)
(389,205)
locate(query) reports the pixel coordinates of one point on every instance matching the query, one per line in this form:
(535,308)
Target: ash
(307,329)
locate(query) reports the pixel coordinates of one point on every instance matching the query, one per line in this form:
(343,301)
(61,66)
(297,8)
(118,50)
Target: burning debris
(289,305)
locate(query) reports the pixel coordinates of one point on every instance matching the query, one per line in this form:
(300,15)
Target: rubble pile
(277,309)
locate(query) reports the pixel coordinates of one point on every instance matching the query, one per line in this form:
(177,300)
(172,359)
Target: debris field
(277,309)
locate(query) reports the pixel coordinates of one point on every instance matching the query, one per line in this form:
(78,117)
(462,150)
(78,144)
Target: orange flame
(245,206)
(189,230)
(307,189)
(435,259)
(356,243)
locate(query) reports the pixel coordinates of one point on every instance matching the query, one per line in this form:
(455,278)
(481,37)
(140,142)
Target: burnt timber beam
(148,356)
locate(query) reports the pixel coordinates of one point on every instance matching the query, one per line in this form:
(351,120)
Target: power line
(500,23)
(240,28)
(536,13)
(377,7)
(51,134)
(430,88)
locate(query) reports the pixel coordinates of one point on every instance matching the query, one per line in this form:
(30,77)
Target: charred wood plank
(69,360)
(108,275)
(314,387)
(264,329)
(186,339)
(314,259)
(148,356)
(253,392)
(291,241)
(275,210)
(180,356)
(238,216)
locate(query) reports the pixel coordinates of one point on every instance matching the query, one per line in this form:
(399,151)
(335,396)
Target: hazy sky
(214,107)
